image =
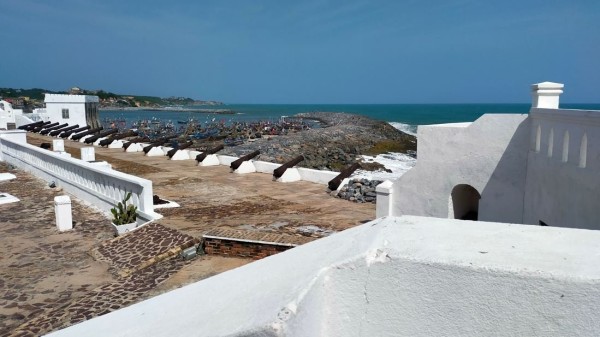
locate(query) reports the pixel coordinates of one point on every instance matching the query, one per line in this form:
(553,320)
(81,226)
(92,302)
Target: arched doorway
(465,202)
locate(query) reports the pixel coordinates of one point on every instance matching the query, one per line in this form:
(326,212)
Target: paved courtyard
(50,280)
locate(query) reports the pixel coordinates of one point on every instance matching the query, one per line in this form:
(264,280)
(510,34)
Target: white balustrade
(102,188)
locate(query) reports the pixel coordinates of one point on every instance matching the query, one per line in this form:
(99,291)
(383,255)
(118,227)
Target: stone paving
(41,268)
(50,280)
(99,301)
(142,248)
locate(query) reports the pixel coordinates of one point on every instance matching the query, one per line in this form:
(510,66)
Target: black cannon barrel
(278,172)
(183,146)
(234,165)
(47,130)
(85,133)
(135,140)
(335,182)
(202,156)
(40,128)
(108,141)
(66,128)
(34,124)
(66,134)
(31,127)
(158,142)
(100,135)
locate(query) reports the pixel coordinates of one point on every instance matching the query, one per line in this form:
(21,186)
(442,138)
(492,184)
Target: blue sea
(405,117)
(409,115)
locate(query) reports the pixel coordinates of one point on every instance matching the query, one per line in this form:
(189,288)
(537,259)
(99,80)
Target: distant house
(75,91)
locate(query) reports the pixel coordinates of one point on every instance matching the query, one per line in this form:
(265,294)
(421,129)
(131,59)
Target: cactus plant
(123,213)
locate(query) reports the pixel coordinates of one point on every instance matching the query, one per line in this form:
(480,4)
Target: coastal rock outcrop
(337,143)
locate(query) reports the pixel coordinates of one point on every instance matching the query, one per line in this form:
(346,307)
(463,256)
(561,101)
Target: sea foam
(406,128)
(398,163)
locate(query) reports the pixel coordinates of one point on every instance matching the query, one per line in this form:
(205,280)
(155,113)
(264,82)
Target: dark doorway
(465,202)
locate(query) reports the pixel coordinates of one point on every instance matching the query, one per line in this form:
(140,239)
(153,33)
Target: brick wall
(225,247)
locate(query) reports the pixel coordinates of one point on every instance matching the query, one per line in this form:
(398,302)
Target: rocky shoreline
(340,140)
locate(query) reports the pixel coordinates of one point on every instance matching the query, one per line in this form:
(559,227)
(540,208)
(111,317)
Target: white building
(8,115)
(539,169)
(71,109)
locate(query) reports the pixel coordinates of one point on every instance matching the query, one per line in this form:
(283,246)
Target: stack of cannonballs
(360,190)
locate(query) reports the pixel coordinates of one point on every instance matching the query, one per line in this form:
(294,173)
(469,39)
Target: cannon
(46,146)
(158,142)
(201,156)
(47,130)
(31,127)
(67,128)
(100,135)
(45,126)
(86,133)
(35,124)
(335,182)
(135,140)
(183,146)
(234,165)
(128,133)
(278,172)
(66,134)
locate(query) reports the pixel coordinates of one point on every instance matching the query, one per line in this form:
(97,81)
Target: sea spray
(397,163)
(406,128)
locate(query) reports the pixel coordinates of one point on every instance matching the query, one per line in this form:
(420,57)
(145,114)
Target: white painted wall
(406,276)
(317,176)
(75,103)
(90,183)
(489,154)
(265,167)
(564,193)
(8,114)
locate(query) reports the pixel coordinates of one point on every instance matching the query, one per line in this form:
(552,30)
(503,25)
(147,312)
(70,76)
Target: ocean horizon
(412,114)
(405,117)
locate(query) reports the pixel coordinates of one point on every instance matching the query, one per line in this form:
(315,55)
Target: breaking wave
(406,128)
(398,163)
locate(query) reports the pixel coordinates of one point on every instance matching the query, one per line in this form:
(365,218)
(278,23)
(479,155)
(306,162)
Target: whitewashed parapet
(100,187)
(384,199)
(397,274)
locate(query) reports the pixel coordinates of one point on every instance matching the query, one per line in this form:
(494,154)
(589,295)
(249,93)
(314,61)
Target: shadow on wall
(507,181)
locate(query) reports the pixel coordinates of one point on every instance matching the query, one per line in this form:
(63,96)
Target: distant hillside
(35,97)
(34,93)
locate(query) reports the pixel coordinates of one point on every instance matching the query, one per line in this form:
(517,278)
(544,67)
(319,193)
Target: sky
(302,52)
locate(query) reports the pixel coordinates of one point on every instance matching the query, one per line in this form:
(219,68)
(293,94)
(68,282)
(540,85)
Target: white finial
(546,95)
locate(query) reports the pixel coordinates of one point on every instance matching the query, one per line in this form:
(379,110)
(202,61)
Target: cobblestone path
(143,247)
(100,301)
(141,260)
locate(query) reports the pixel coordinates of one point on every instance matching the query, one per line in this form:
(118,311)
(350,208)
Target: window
(65,113)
